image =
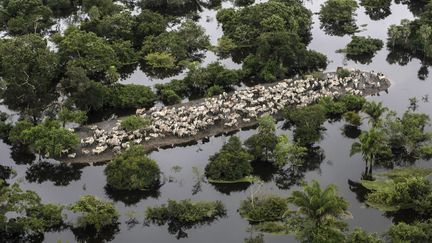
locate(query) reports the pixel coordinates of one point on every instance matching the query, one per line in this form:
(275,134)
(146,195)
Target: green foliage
(405,189)
(263,208)
(408,133)
(343,72)
(262,144)
(286,152)
(23,215)
(268,40)
(374,110)
(132,170)
(170,51)
(405,233)
(362,49)
(203,80)
(19,17)
(47,138)
(129,96)
(353,118)
(86,50)
(338,17)
(185,214)
(5,126)
(333,108)
(317,218)
(360,236)
(307,121)
(94,213)
(352,102)
(32,89)
(66,115)
(225,46)
(372,145)
(377,9)
(134,122)
(231,163)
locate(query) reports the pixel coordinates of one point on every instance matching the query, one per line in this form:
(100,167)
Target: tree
(185,214)
(132,170)
(417,232)
(66,115)
(231,163)
(262,144)
(362,49)
(374,110)
(134,122)
(307,121)
(264,208)
(28,69)
(372,144)
(48,138)
(23,216)
(94,213)
(377,9)
(319,212)
(86,50)
(287,152)
(360,236)
(20,17)
(338,17)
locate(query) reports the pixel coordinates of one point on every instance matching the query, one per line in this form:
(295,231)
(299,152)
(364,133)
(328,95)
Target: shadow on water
(90,234)
(132,197)
(350,131)
(229,188)
(59,173)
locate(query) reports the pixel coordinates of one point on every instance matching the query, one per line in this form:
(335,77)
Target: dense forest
(65,65)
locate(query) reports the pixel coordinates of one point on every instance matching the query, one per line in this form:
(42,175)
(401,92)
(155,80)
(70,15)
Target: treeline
(104,41)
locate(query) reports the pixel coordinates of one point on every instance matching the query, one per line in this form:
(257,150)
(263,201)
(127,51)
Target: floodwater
(65,184)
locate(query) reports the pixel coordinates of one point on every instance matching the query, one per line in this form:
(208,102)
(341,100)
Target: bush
(343,72)
(264,208)
(132,170)
(231,163)
(353,118)
(94,213)
(214,90)
(333,108)
(130,96)
(360,45)
(134,122)
(352,102)
(169,96)
(337,17)
(185,211)
(261,145)
(48,138)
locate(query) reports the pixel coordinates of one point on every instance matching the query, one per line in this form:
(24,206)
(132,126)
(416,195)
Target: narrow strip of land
(193,121)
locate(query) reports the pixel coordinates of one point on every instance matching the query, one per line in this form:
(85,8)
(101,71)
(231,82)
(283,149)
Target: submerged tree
(231,163)
(338,17)
(28,70)
(318,214)
(362,49)
(374,111)
(133,170)
(185,214)
(377,9)
(262,144)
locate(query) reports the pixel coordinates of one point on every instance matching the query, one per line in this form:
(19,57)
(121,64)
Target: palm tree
(374,110)
(371,143)
(320,210)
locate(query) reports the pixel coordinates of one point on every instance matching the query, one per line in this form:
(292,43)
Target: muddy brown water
(65,184)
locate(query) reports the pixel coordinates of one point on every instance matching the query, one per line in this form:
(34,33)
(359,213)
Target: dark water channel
(65,184)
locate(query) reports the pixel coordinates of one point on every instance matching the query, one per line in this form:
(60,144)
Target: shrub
(332,107)
(231,163)
(94,213)
(263,208)
(214,90)
(360,45)
(262,144)
(352,102)
(169,96)
(186,211)
(353,118)
(343,72)
(134,122)
(132,170)
(47,138)
(130,96)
